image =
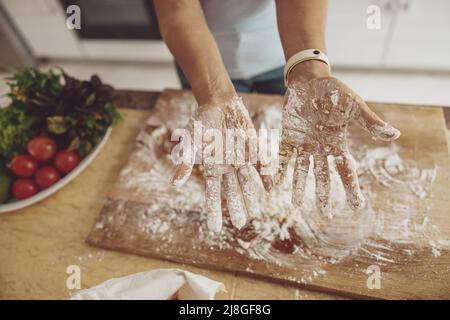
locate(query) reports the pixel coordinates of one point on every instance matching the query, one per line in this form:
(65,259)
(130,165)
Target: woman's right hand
(232,171)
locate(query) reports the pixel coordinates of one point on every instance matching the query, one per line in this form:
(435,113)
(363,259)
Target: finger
(300,174)
(213,205)
(322,175)
(252,146)
(346,167)
(182,174)
(369,121)
(247,177)
(234,200)
(266,178)
(267,182)
(282,169)
(268,158)
(284,156)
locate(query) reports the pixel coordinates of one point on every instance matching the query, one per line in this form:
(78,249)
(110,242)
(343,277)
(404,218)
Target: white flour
(387,230)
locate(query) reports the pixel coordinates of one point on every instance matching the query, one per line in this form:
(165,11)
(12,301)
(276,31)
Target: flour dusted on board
(388,230)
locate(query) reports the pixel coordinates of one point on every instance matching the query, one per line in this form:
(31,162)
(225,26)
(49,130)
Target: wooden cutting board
(401,237)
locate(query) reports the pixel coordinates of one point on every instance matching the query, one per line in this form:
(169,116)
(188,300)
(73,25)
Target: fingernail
(278,179)
(389,133)
(358,202)
(268,184)
(239,221)
(215,223)
(178,181)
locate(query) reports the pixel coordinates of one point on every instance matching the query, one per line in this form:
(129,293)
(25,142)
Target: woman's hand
(232,172)
(316,113)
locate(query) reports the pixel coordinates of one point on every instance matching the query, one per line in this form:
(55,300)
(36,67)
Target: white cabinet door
(421,36)
(42,23)
(350,42)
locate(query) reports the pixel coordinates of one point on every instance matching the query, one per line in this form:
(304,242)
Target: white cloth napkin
(158,284)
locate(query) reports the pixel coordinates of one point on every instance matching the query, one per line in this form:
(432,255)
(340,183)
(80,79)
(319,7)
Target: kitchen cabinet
(42,23)
(350,42)
(413,34)
(421,36)
(43,26)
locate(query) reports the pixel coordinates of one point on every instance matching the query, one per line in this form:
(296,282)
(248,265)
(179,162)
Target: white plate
(16,205)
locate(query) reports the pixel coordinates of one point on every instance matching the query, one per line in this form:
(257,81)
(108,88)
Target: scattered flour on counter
(387,230)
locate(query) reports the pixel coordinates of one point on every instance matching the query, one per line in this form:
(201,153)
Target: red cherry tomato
(65,160)
(24,166)
(24,188)
(47,176)
(42,148)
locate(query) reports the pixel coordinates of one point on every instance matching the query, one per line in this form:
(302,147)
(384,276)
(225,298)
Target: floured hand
(314,126)
(236,177)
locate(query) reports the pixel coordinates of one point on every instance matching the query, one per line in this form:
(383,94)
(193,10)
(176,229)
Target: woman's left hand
(316,114)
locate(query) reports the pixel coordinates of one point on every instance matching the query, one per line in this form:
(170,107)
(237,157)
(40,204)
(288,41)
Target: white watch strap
(305,55)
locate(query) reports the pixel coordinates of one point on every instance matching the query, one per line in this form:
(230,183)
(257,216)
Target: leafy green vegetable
(112,112)
(90,100)
(35,80)
(16,128)
(75,113)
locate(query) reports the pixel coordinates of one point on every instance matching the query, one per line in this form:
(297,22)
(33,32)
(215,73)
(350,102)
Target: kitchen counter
(40,243)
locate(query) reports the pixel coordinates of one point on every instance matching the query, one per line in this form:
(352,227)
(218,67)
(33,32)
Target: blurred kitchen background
(406,61)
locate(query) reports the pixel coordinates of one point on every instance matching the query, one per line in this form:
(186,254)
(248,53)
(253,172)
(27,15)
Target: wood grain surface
(420,275)
(40,242)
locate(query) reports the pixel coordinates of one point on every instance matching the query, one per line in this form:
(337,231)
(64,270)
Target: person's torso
(247,35)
